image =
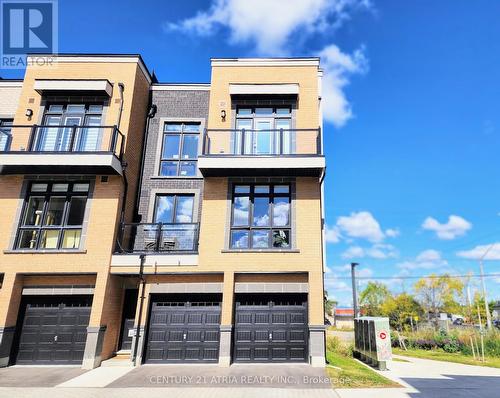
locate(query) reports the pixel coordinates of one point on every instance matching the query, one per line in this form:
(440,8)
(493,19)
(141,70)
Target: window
(176,209)
(5,134)
(177,232)
(179,149)
(264,130)
(52,217)
(59,139)
(260,217)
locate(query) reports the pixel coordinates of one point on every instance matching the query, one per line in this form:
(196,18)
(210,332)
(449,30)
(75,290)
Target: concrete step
(118,361)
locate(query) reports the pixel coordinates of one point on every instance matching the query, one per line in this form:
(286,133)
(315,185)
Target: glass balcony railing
(48,138)
(280,142)
(158,237)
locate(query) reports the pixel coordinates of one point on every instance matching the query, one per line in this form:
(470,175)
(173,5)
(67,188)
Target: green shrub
(334,344)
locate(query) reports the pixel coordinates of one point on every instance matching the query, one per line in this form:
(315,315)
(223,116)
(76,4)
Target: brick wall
(176,104)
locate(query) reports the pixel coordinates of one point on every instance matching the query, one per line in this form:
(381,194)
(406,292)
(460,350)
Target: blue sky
(412,102)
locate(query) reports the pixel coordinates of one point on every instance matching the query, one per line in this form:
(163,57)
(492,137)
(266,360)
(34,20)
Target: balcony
(62,150)
(163,244)
(296,152)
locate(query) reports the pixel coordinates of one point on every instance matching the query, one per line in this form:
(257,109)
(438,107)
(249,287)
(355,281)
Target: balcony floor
(59,163)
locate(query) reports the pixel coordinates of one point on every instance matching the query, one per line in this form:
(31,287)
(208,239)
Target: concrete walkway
(174,392)
(174,381)
(423,378)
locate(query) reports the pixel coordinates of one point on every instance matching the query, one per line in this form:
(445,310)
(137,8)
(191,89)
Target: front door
(129,307)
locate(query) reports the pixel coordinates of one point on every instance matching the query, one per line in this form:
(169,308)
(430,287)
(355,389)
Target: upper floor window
(260,217)
(52,216)
(59,138)
(174,209)
(179,153)
(264,130)
(5,134)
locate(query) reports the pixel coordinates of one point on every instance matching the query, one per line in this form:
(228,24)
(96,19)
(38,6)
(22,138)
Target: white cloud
(361,225)
(392,232)
(275,27)
(332,234)
(338,67)
(354,252)
(477,252)
(377,251)
(428,259)
(455,227)
(270,24)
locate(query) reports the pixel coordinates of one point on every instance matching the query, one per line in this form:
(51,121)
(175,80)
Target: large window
(265,130)
(5,134)
(179,153)
(59,138)
(177,232)
(52,216)
(260,217)
(174,209)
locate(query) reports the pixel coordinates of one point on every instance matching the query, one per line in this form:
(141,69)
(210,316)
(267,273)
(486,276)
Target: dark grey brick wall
(171,104)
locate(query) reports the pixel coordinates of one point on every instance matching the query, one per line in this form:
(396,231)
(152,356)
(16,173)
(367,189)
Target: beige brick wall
(9,99)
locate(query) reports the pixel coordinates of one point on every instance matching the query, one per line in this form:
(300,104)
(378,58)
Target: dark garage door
(184,329)
(271,328)
(53,330)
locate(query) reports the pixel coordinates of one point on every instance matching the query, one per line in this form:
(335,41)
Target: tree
(372,298)
(329,304)
(439,294)
(401,310)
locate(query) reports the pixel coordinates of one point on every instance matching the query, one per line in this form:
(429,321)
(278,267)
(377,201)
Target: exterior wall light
(29,113)
(223,115)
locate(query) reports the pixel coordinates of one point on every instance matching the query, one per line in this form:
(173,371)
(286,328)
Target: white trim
(256,162)
(60,159)
(186,287)
(90,58)
(284,88)
(265,62)
(271,287)
(181,87)
(11,83)
(152,260)
(75,85)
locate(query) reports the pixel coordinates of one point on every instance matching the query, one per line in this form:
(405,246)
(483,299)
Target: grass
(353,374)
(440,355)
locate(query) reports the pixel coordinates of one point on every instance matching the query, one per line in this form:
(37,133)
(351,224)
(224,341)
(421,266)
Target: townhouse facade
(162,223)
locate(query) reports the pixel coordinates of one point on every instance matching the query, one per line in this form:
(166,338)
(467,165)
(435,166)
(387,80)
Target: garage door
(53,330)
(184,329)
(271,328)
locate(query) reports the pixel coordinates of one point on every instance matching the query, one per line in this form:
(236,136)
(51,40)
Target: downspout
(142,258)
(121,88)
(151,114)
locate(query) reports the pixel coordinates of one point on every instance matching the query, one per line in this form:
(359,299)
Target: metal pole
(354,290)
(141,298)
(486,306)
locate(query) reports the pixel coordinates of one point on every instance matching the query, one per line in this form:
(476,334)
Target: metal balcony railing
(158,237)
(56,139)
(279,142)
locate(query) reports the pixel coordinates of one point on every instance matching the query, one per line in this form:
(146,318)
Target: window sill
(68,251)
(260,251)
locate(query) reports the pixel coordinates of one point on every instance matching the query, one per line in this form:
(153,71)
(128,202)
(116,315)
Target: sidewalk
(424,378)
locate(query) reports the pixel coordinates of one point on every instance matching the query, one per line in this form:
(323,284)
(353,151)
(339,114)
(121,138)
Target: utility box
(372,340)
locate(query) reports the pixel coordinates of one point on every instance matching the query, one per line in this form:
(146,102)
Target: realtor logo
(27,27)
